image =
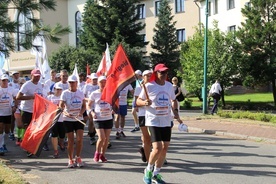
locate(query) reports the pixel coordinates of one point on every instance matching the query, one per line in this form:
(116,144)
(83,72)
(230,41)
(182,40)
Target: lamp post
(205,61)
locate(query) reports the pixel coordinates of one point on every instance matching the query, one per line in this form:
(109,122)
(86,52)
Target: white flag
(75,72)
(46,70)
(105,63)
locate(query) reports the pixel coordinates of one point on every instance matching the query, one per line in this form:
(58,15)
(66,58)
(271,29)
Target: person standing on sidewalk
(215,92)
(101,112)
(159,98)
(73,102)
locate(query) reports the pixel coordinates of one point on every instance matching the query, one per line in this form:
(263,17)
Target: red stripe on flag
(119,76)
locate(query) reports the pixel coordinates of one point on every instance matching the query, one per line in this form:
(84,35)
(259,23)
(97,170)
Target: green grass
(9,176)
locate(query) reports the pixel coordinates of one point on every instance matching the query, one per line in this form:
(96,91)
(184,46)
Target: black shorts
(106,124)
(58,130)
(142,121)
(84,114)
(158,134)
(71,126)
(5,120)
(26,117)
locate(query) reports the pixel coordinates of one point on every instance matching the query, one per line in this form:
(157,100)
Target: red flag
(119,76)
(88,72)
(45,115)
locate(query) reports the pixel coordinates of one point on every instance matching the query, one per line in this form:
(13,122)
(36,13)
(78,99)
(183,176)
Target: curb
(233,135)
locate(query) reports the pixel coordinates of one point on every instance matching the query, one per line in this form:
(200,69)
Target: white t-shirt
(64,86)
(216,88)
(73,103)
(123,95)
(48,84)
(88,89)
(55,100)
(14,85)
(141,110)
(159,112)
(6,100)
(29,89)
(102,109)
(81,85)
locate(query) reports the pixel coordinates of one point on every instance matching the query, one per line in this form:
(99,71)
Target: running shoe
(11,136)
(157,179)
(18,142)
(165,162)
(118,135)
(78,162)
(45,147)
(123,134)
(102,158)
(2,152)
(147,176)
(56,155)
(92,141)
(96,157)
(135,129)
(71,164)
(5,148)
(61,146)
(29,154)
(109,145)
(143,155)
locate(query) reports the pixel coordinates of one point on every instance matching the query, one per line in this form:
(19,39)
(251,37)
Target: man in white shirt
(215,92)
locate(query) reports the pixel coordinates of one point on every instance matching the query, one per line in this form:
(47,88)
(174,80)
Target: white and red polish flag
(105,63)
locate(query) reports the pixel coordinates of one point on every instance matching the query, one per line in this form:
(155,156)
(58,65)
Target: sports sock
(156,171)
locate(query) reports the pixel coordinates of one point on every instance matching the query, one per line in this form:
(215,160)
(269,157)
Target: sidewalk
(240,129)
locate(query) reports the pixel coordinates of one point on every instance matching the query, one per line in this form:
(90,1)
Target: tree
(165,41)
(67,56)
(101,23)
(223,56)
(257,36)
(25,8)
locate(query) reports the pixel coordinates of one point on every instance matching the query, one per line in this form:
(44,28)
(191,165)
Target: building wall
(226,17)
(185,20)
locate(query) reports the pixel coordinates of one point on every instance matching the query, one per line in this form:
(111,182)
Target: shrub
(188,103)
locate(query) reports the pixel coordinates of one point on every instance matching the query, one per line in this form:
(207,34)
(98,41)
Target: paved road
(193,158)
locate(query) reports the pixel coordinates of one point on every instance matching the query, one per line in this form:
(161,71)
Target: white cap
(4,76)
(138,72)
(72,78)
(57,75)
(182,127)
(58,86)
(101,78)
(93,76)
(146,72)
(15,72)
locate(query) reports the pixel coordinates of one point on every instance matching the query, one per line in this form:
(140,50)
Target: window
(25,26)
(231,4)
(179,6)
(209,8)
(232,28)
(181,35)
(141,11)
(248,4)
(144,37)
(157,6)
(78,26)
(216,7)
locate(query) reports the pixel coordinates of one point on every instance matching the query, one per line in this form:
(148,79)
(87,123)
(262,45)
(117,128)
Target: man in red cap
(159,98)
(27,94)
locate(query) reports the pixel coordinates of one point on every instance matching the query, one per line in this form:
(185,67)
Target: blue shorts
(122,110)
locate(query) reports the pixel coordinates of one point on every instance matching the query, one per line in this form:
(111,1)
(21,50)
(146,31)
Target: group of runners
(154,108)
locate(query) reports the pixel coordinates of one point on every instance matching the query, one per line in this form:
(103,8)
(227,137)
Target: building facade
(69,13)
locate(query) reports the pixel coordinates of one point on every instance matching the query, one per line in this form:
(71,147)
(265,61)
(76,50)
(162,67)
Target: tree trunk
(273,83)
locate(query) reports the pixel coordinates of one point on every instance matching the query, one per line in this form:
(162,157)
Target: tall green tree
(165,44)
(257,36)
(101,23)
(67,56)
(9,27)
(223,56)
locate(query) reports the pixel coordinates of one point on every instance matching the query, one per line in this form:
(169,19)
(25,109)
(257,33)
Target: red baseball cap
(36,72)
(160,67)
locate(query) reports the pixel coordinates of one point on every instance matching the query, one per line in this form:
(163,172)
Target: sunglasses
(162,72)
